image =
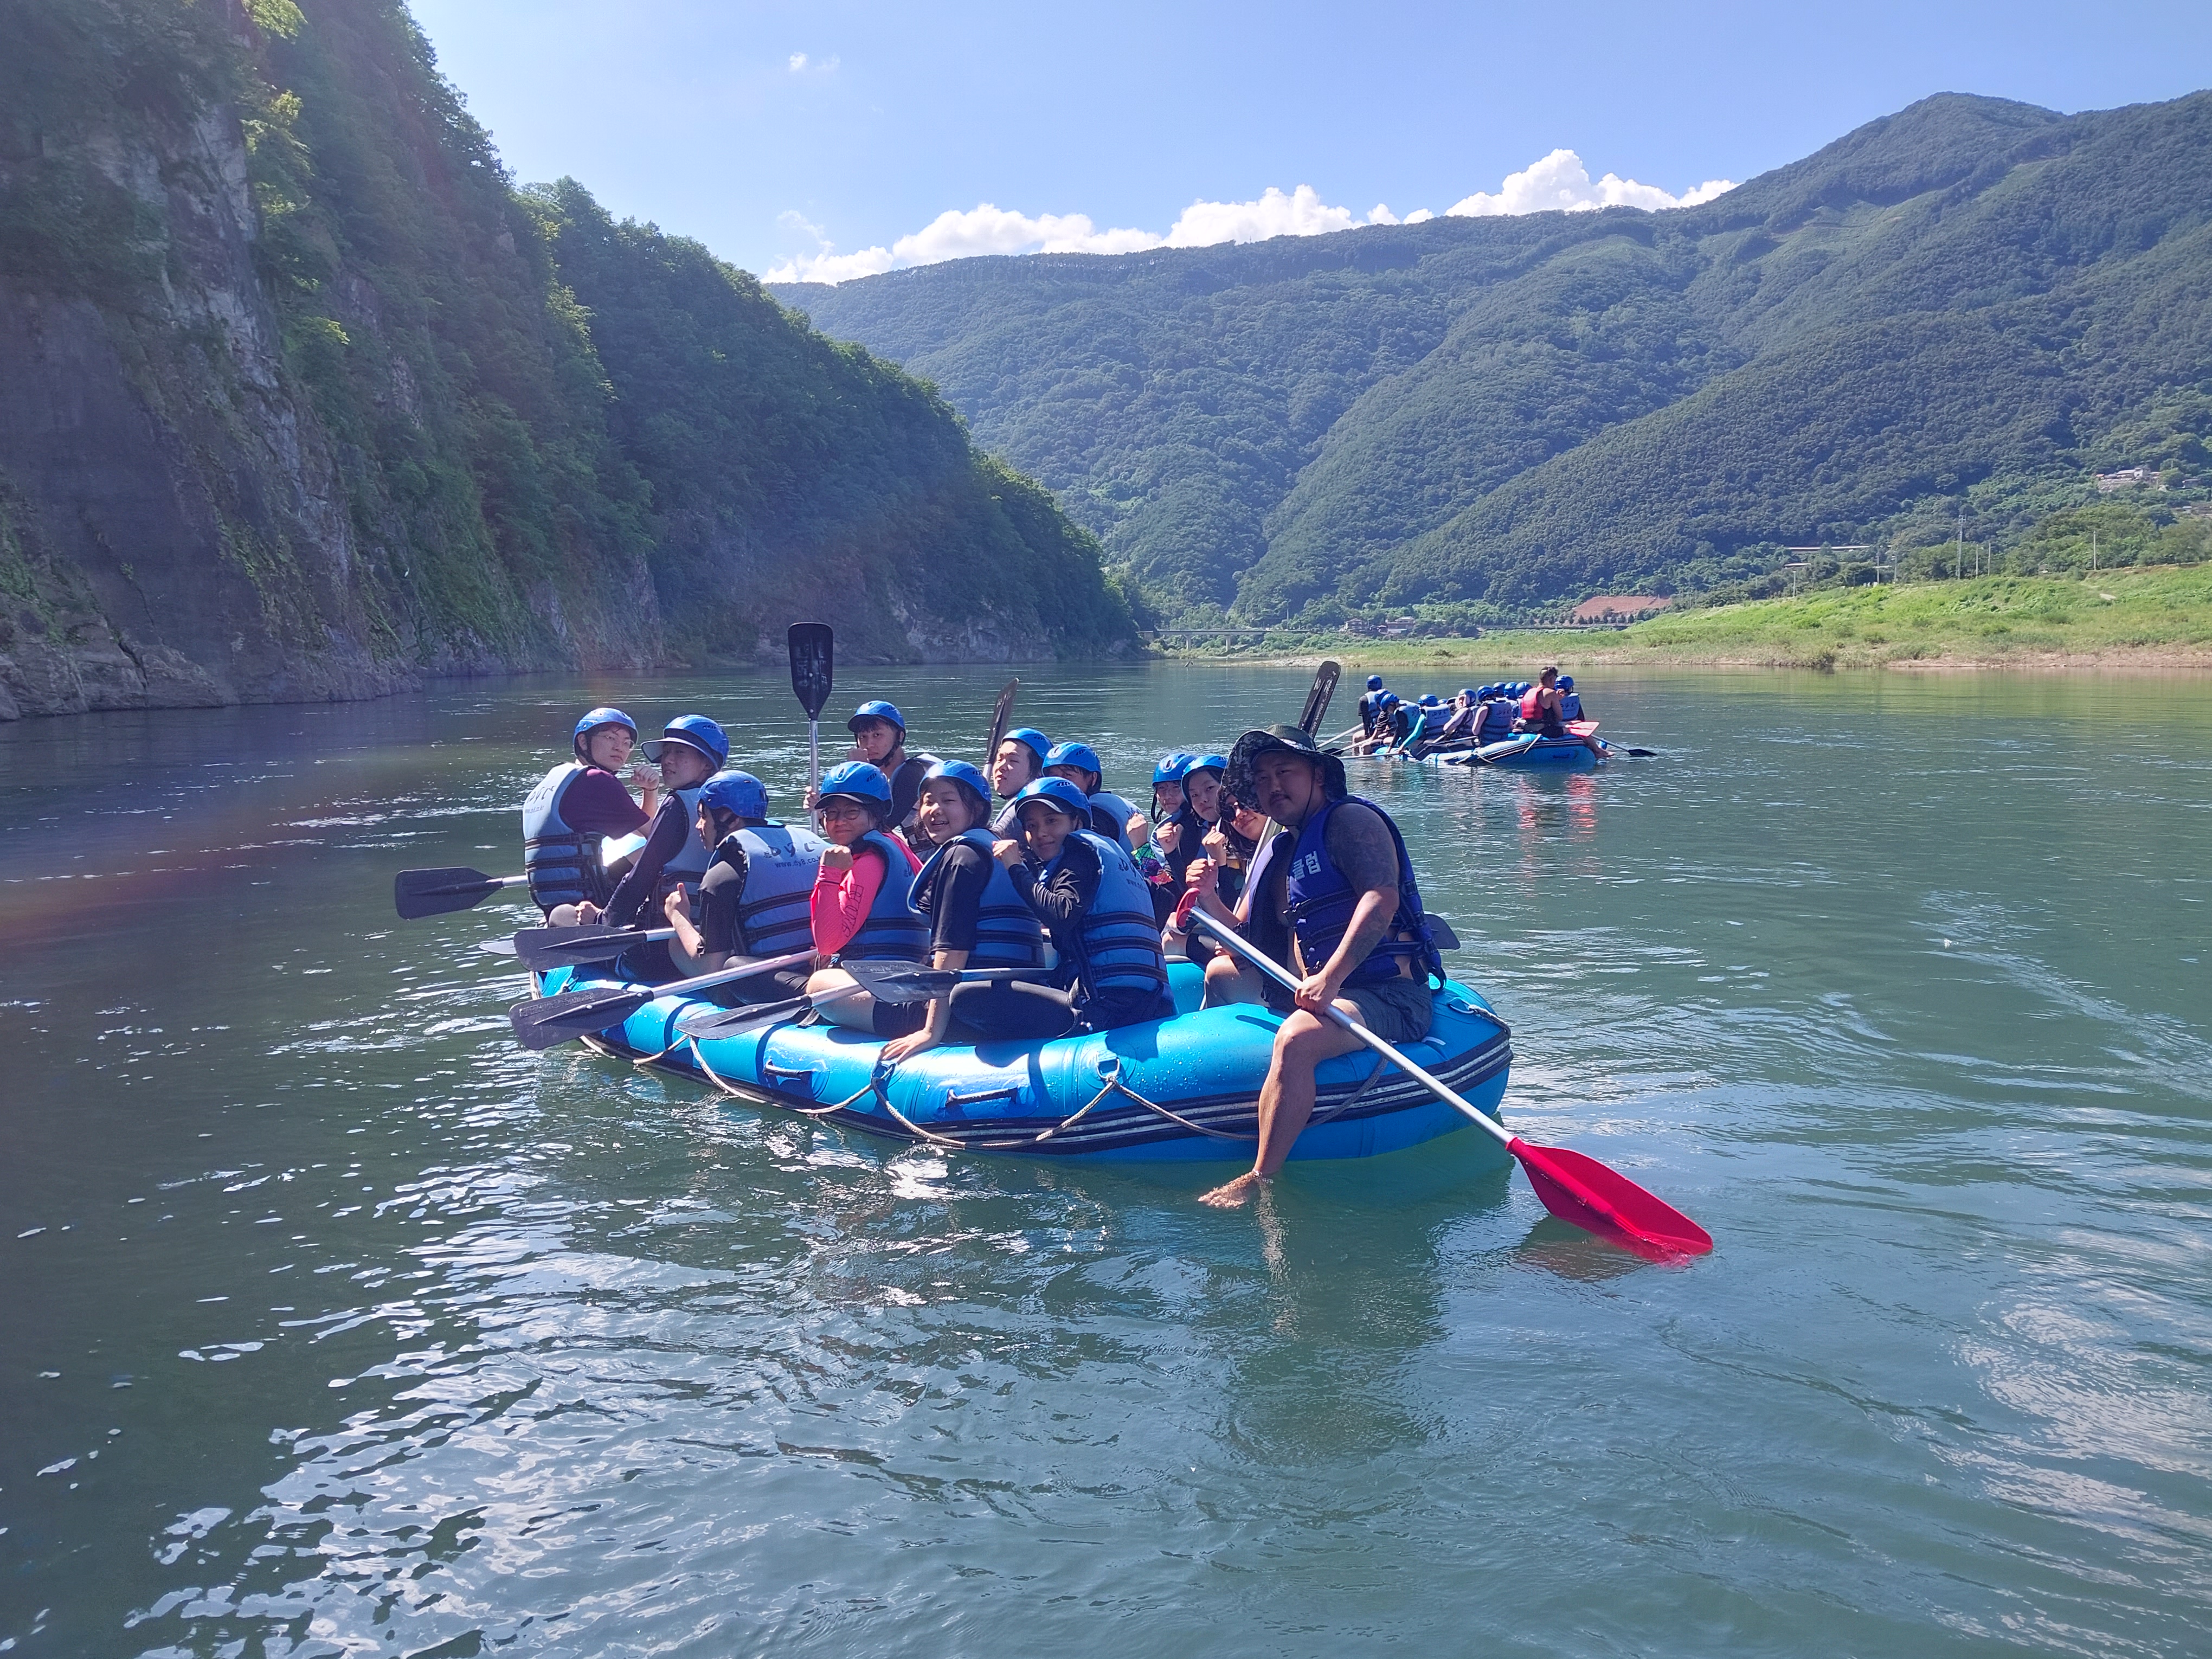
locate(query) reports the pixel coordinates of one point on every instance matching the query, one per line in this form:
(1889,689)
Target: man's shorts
(1395,1010)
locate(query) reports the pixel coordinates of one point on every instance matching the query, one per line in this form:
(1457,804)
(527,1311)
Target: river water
(334,1323)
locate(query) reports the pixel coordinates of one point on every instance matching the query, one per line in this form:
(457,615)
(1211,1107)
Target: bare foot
(1235,1194)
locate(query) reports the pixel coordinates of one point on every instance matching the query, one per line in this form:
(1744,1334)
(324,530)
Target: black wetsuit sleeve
(954,898)
(1061,901)
(721,893)
(906,789)
(671,826)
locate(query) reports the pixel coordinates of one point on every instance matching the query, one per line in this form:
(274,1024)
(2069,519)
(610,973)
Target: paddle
(544,948)
(543,1021)
(417,893)
(1001,712)
(1317,697)
(812,645)
(1574,1187)
(732,1022)
(905,982)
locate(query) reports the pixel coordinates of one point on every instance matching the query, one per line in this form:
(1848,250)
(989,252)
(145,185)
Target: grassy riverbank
(2146,618)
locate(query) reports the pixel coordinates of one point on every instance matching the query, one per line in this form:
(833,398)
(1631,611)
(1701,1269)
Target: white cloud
(798,62)
(1559,181)
(1301,213)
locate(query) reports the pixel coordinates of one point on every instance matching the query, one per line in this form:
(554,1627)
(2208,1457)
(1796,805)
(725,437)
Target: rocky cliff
(295,403)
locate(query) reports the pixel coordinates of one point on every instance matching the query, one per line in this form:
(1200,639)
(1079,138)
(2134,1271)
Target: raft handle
(1009,1091)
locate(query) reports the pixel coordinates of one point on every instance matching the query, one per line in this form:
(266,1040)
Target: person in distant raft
(573,806)
(1540,707)
(689,750)
(1087,893)
(1017,762)
(1110,816)
(754,899)
(1370,706)
(1358,934)
(976,918)
(858,909)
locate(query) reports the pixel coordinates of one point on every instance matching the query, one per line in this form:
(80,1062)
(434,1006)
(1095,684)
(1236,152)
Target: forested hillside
(300,397)
(1938,326)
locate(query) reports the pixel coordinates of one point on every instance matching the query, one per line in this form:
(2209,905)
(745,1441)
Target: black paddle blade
(1001,712)
(542,1022)
(544,948)
(416,893)
(730,1022)
(1317,699)
(902,981)
(812,645)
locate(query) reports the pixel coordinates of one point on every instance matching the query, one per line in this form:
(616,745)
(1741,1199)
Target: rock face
(296,404)
(170,531)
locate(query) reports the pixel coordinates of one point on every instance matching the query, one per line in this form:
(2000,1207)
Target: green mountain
(1957,312)
(300,397)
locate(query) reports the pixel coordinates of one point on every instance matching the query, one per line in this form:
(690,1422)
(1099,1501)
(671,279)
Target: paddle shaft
(1275,972)
(719,976)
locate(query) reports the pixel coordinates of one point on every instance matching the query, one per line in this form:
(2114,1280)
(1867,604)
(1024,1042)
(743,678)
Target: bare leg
(1286,1099)
(1229,980)
(857,1011)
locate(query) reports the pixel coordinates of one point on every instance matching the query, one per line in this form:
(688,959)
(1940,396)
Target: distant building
(1619,607)
(2132,478)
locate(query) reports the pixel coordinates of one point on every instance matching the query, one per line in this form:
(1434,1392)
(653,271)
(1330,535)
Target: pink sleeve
(842,900)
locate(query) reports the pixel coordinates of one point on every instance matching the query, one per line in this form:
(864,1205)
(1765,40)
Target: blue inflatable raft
(1528,750)
(1180,1089)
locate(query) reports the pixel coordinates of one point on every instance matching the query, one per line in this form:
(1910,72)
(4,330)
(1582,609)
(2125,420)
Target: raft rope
(1113,1085)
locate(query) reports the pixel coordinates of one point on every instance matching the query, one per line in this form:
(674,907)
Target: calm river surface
(334,1323)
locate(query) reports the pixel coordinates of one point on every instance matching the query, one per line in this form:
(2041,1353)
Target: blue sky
(798,138)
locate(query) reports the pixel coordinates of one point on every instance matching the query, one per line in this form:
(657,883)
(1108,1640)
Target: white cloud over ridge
(1558,183)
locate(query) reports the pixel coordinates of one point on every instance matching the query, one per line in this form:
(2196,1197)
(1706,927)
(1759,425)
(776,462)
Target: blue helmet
(1429,700)
(740,793)
(1374,682)
(599,717)
(856,780)
(967,777)
(1467,691)
(1064,795)
(1080,755)
(877,709)
(1390,699)
(1171,768)
(1034,739)
(1216,764)
(1567,682)
(693,732)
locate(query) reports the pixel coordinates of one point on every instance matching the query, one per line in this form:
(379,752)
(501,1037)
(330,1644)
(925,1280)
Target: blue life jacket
(688,866)
(562,867)
(1321,902)
(893,930)
(1570,705)
(1120,948)
(1007,932)
(1496,720)
(781,865)
(1107,804)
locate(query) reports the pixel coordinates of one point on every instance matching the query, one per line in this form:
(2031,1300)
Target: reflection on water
(336,1325)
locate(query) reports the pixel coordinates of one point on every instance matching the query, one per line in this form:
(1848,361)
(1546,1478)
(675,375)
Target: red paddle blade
(1581,1190)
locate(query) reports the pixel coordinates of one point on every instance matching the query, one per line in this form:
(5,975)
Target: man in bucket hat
(1358,937)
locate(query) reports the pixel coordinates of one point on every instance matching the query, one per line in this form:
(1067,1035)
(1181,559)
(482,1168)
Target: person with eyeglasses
(860,909)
